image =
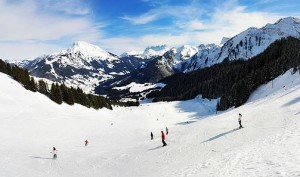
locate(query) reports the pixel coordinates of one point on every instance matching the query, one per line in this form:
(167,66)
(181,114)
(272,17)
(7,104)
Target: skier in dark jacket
(240,120)
(151,134)
(163,138)
(167,131)
(86,142)
(54,151)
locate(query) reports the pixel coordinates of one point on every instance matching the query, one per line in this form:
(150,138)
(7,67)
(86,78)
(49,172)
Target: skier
(240,120)
(151,136)
(54,151)
(86,142)
(167,131)
(163,138)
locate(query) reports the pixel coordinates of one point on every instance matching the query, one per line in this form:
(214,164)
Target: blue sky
(30,28)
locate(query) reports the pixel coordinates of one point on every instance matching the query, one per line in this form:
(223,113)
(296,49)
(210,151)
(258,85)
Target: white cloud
(25,29)
(26,50)
(168,39)
(226,20)
(23,21)
(180,13)
(119,45)
(194,25)
(144,19)
(231,19)
(73,7)
(156,2)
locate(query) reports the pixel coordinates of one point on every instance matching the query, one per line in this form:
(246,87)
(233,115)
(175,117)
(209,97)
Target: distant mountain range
(88,66)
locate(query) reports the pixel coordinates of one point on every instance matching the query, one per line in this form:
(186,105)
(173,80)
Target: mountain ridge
(87,64)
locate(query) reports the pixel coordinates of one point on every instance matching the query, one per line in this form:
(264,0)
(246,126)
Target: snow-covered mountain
(185,52)
(90,52)
(163,65)
(139,54)
(156,50)
(245,45)
(224,40)
(83,65)
(175,56)
(148,53)
(151,72)
(181,53)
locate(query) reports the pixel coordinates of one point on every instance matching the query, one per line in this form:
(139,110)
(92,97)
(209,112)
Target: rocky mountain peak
(89,50)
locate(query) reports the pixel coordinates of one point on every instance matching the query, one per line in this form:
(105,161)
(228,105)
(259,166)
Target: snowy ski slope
(200,142)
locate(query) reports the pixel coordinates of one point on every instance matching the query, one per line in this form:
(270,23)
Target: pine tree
(32,85)
(67,94)
(56,94)
(42,87)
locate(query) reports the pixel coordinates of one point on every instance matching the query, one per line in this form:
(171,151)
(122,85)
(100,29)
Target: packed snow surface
(200,142)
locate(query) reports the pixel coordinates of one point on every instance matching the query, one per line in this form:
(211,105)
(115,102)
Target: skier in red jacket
(163,138)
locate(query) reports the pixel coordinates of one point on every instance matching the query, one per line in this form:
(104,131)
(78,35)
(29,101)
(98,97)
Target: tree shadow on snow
(220,135)
(36,157)
(294,101)
(198,109)
(186,122)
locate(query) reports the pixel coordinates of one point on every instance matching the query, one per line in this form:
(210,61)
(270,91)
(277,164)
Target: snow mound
(136,87)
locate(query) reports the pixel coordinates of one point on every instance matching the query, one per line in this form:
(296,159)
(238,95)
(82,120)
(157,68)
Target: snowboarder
(163,138)
(86,142)
(151,136)
(240,120)
(54,151)
(167,131)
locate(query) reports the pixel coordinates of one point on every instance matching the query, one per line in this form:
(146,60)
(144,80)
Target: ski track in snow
(120,145)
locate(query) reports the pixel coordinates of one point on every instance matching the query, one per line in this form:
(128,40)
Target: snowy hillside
(200,142)
(247,44)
